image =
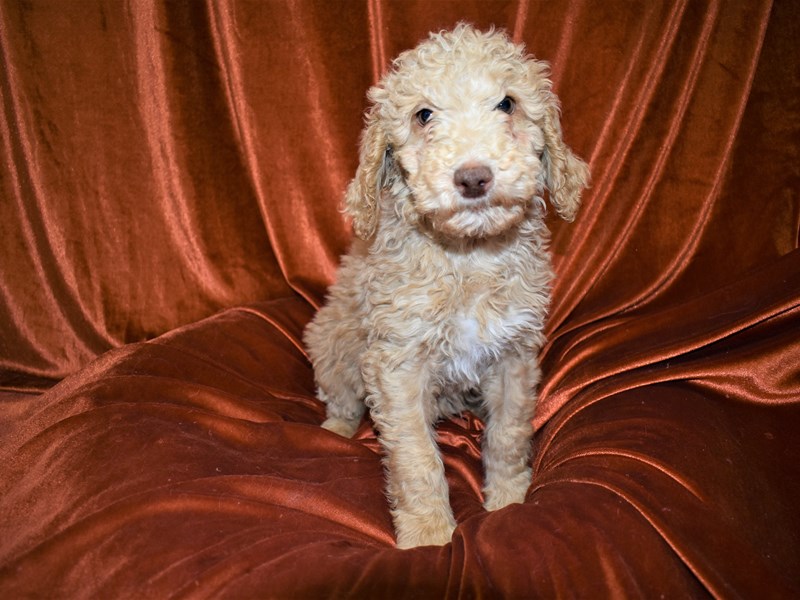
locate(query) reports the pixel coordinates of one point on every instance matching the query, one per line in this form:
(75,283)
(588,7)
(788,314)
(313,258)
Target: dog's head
(469,125)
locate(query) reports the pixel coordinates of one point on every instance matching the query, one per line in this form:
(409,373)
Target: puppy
(440,304)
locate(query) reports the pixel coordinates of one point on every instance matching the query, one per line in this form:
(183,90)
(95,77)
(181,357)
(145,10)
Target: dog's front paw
(341,426)
(503,493)
(424,530)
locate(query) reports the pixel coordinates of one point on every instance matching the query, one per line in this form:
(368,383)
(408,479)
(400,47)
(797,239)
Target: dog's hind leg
(343,417)
(341,389)
(335,346)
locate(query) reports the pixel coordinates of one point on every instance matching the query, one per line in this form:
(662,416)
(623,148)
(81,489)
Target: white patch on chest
(470,346)
(468,353)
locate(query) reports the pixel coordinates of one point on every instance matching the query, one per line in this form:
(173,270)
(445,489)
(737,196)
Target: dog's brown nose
(473,182)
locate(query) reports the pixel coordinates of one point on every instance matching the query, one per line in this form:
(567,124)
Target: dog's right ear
(373,174)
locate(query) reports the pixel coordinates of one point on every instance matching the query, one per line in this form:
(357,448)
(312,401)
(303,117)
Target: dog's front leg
(510,395)
(400,401)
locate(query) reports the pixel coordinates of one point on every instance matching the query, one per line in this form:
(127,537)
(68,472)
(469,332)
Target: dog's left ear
(565,174)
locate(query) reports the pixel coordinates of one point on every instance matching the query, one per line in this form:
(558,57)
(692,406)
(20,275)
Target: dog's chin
(479,222)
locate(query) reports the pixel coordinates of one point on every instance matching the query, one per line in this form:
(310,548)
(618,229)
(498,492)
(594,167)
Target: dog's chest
(458,315)
(473,339)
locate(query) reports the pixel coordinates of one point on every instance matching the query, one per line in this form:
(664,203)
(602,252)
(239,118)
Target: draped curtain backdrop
(161,162)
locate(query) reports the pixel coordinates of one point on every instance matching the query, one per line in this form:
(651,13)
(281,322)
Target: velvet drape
(170,183)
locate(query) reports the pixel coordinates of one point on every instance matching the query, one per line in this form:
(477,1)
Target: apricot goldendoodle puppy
(439,306)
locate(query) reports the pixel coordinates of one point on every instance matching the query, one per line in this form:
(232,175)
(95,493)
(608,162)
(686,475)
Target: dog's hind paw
(340,426)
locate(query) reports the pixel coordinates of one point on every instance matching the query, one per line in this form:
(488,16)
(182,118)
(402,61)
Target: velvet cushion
(195,464)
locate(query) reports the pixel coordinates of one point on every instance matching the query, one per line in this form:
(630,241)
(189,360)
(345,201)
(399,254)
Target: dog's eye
(424,115)
(507,105)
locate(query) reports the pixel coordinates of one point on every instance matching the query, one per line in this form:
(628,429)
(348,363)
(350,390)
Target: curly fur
(439,307)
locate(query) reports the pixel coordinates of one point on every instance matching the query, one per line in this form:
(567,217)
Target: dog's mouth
(473,205)
(480,218)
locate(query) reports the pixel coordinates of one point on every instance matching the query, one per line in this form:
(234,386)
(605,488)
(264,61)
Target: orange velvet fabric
(170,187)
